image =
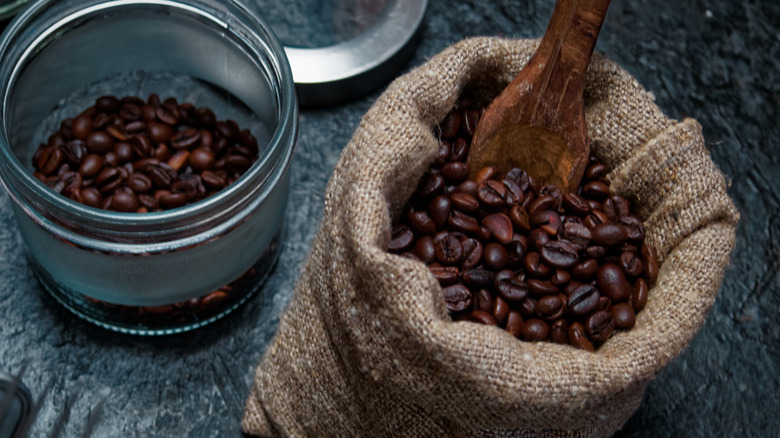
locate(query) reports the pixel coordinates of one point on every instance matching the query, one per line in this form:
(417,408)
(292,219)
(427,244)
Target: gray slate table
(714,60)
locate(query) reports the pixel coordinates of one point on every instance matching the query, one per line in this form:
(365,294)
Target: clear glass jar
(158,272)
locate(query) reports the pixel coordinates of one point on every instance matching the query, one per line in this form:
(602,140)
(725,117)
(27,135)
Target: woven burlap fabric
(366,348)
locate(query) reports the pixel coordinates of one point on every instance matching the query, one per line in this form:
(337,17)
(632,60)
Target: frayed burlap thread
(366,348)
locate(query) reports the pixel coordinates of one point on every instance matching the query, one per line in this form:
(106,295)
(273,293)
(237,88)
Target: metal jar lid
(345,70)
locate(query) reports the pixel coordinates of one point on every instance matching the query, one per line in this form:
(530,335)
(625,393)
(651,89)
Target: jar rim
(249,28)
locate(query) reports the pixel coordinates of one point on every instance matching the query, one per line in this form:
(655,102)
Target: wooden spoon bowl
(537,123)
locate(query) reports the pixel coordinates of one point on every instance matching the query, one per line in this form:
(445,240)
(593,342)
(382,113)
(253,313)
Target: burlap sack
(366,347)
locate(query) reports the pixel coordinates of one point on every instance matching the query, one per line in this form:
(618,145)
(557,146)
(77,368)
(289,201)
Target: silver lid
(347,69)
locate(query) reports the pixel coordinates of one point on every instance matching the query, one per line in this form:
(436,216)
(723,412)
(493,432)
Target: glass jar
(158,272)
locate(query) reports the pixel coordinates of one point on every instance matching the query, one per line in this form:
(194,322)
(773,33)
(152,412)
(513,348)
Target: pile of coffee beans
(130,155)
(570,268)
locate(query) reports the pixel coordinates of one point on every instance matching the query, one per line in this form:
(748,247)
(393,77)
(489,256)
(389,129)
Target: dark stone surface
(714,60)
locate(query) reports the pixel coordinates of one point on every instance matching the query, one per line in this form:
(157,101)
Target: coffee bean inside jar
(139,156)
(570,268)
(132,155)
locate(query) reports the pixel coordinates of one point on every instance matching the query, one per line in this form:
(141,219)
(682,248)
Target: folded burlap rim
(366,347)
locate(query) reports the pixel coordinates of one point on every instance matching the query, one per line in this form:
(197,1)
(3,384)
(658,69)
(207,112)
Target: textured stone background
(714,60)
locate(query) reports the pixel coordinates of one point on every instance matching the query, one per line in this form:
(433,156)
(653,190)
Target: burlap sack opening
(366,347)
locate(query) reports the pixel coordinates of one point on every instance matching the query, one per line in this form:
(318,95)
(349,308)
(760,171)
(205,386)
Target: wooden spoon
(537,123)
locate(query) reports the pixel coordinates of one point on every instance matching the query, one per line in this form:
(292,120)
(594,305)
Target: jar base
(168,319)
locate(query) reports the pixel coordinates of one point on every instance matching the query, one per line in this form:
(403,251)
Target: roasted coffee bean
(479,278)
(550,307)
(624,316)
(519,217)
(81,126)
(500,311)
(534,330)
(495,256)
(492,193)
(578,337)
(483,300)
(473,251)
(457,297)
(445,275)
(125,202)
(635,230)
(464,202)
(612,283)
(560,278)
(186,139)
(400,238)
(596,189)
(599,326)
(608,234)
(559,331)
(462,222)
(583,300)
(514,323)
(630,263)
(173,200)
(500,227)
(515,253)
(449,127)
(509,287)
(514,194)
(559,254)
(639,295)
(577,234)
(538,238)
(455,172)
(575,204)
(439,210)
(481,317)
(541,287)
(534,265)
(449,250)
(649,263)
(424,249)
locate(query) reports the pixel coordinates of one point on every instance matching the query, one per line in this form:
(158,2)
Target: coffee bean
(424,249)
(439,210)
(630,263)
(624,316)
(578,338)
(534,265)
(599,326)
(500,227)
(541,287)
(492,193)
(126,202)
(472,249)
(462,222)
(559,254)
(649,263)
(575,204)
(550,307)
(464,202)
(583,300)
(449,250)
(509,287)
(639,295)
(495,256)
(445,275)
(450,125)
(500,311)
(577,234)
(81,126)
(596,189)
(612,283)
(421,222)
(481,317)
(479,278)
(514,323)
(455,172)
(534,330)
(608,234)
(457,297)
(558,331)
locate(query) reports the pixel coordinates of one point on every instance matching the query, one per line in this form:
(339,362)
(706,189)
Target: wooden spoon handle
(562,58)
(546,95)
